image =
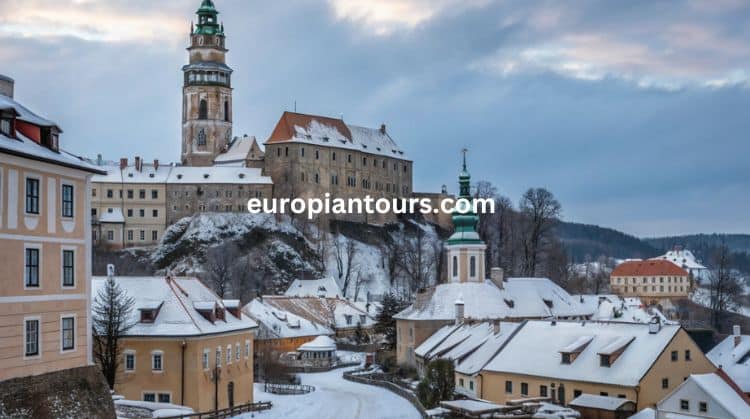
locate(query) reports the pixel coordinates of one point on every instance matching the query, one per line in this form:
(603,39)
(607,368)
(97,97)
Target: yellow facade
(44,300)
(184,376)
(651,286)
(647,393)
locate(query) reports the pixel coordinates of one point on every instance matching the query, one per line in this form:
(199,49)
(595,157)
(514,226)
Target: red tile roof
(648,268)
(285,131)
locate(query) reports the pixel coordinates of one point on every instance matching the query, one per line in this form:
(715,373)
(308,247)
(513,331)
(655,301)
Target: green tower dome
(208,22)
(464,223)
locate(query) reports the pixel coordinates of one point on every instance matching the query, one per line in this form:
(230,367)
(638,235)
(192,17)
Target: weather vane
(464,151)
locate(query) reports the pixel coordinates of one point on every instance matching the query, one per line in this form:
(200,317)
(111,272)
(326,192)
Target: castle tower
(464,249)
(206,92)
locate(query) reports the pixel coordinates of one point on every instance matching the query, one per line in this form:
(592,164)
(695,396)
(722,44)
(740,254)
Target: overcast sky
(635,114)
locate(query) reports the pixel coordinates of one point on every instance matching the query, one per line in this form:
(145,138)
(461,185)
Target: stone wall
(74,393)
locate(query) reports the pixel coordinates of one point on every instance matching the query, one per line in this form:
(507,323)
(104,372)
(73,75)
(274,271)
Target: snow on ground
(702,296)
(334,398)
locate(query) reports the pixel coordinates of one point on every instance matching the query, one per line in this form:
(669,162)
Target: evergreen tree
(438,383)
(111,320)
(386,324)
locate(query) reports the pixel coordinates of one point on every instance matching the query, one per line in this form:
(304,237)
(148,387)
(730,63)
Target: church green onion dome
(208,23)
(464,225)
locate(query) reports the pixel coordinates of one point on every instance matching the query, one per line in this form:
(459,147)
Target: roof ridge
(169,284)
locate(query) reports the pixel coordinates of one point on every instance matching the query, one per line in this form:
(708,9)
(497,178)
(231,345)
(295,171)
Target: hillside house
(732,355)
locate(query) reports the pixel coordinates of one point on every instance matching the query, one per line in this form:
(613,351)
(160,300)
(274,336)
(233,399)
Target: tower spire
(464,222)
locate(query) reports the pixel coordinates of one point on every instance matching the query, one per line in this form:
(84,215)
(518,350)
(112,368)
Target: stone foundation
(75,393)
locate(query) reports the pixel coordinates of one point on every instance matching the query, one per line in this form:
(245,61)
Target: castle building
(206,92)
(45,254)
(467,296)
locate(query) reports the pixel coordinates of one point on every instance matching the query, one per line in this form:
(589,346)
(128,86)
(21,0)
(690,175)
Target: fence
(225,413)
(394,388)
(287,388)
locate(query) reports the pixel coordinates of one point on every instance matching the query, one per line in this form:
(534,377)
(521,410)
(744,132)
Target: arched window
(473,266)
(455,266)
(203,110)
(226,110)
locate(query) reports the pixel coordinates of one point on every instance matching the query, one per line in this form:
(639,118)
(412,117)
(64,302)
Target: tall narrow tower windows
(226,110)
(203,110)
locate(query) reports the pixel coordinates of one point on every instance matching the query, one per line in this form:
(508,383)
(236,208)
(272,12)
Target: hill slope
(585,240)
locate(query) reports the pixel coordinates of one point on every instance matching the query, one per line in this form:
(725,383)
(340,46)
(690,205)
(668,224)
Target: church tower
(206,92)
(464,249)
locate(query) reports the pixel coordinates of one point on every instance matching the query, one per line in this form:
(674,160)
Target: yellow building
(187,347)
(651,280)
(45,246)
(561,360)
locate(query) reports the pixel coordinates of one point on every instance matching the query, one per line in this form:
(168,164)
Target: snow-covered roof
(276,323)
(473,407)
(164,173)
(323,287)
(647,413)
(537,343)
(723,394)
(622,309)
(333,132)
(217,174)
(24,113)
(734,360)
(332,312)
(26,147)
(320,343)
(176,300)
(682,258)
(596,401)
(238,151)
(112,215)
(470,346)
(518,299)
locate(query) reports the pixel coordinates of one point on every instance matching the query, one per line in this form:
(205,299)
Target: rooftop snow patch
(599,402)
(276,323)
(734,360)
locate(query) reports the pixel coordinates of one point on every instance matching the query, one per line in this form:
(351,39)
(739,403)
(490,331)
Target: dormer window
(609,353)
(6,126)
(566,358)
(150,311)
(605,360)
(569,353)
(547,302)
(509,303)
(50,138)
(348,318)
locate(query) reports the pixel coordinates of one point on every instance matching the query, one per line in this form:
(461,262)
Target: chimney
(654,326)
(737,335)
(123,163)
(110,270)
(99,160)
(156,164)
(459,310)
(6,86)
(382,129)
(138,163)
(497,276)
(496,326)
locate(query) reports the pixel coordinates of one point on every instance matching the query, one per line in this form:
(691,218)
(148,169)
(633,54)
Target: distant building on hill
(184,337)
(326,287)
(686,260)
(650,280)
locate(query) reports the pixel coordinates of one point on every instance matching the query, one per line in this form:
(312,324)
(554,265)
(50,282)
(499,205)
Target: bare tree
(417,262)
(390,252)
(110,321)
(540,210)
(350,263)
(219,263)
(724,289)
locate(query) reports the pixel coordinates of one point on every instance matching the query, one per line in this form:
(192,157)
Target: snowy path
(335,398)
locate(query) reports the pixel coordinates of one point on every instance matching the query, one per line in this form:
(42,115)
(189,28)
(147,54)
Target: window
(703,407)
(149,397)
(471,385)
(509,386)
(333,155)
(154,194)
(604,360)
(142,194)
(129,361)
(247,349)
(157,361)
(687,355)
(5,127)
(130,235)
(68,266)
(203,109)
(142,234)
(31,337)
(674,356)
(684,404)
(455,266)
(565,358)
(317,154)
(237,353)
(460,382)
(68,333)
(349,158)
(218,356)
(32,268)
(524,389)
(154,235)
(226,110)
(32,196)
(577,393)
(302,151)
(130,212)
(67,201)
(130,194)
(110,235)
(155,213)
(165,398)
(604,393)
(542,391)
(229,354)
(110,193)
(665,383)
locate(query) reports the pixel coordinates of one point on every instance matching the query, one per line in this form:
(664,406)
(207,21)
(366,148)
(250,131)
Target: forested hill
(739,243)
(585,240)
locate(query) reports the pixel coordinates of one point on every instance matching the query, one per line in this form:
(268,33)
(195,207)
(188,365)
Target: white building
(733,356)
(686,260)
